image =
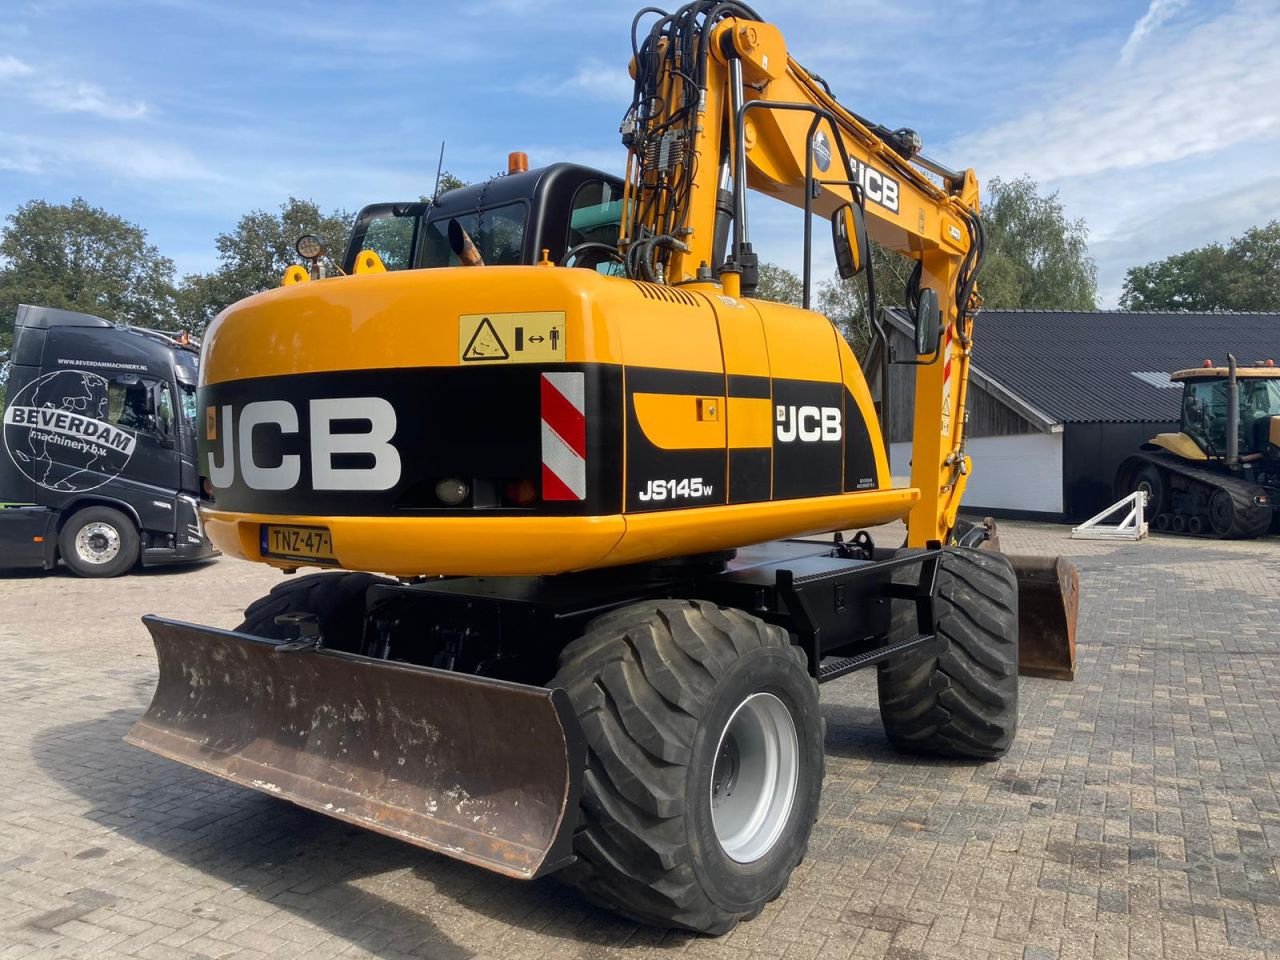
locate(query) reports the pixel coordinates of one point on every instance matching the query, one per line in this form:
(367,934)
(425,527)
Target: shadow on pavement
(317,868)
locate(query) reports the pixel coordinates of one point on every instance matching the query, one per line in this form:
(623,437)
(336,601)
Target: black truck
(99,462)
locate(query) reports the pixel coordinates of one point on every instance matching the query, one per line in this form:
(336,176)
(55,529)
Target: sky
(1156,121)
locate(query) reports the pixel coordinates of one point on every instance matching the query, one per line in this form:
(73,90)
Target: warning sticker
(511,337)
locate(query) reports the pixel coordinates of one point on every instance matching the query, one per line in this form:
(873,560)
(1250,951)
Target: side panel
(1018,473)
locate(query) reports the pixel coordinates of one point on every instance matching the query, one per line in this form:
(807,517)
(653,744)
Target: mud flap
(1048,605)
(482,770)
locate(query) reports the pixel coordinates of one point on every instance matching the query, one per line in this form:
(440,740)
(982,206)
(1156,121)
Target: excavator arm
(720,109)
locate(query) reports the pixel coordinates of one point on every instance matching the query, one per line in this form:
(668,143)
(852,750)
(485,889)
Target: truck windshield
(498,234)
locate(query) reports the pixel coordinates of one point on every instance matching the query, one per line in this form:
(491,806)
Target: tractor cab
(570,211)
(1206,412)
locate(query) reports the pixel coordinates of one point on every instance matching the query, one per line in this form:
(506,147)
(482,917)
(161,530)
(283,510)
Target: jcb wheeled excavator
(570,435)
(1219,476)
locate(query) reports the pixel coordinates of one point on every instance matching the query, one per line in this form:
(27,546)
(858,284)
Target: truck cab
(99,435)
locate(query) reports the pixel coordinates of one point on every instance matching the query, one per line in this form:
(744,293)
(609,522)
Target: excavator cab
(513,219)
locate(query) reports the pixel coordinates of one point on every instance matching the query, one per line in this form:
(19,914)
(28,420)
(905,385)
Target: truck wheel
(704,765)
(99,542)
(336,599)
(962,702)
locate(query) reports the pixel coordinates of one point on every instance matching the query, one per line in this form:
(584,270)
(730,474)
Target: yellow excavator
(549,409)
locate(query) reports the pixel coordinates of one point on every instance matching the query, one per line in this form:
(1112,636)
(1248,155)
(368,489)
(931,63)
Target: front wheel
(961,701)
(99,542)
(704,766)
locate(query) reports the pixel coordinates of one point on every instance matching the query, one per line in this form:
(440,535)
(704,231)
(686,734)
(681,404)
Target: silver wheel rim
(98,543)
(754,778)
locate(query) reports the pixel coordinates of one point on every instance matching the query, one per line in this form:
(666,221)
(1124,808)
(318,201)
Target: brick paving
(1137,815)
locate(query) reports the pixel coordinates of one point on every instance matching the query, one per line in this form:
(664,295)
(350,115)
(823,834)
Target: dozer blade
(1048,604)
(482,770)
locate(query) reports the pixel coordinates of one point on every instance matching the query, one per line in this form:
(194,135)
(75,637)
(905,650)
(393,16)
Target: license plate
(309,544)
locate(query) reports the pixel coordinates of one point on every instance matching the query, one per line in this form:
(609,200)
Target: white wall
(1022,472)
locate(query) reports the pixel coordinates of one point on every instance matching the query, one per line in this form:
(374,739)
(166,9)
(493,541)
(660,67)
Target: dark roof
(1080,367)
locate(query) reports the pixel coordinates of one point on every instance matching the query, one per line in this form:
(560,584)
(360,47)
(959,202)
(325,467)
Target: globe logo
(58,432)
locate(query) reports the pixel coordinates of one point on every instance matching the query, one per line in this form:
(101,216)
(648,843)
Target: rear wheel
(99,542)
(337,600)
(963,701)
(704,766)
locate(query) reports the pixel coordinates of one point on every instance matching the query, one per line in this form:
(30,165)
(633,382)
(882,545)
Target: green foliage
(77,257)
(845,302)
(1036,257)
(1243,275)
(780,285)
(254,256)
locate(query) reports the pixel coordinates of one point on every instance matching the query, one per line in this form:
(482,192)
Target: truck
(99,462)
(575,488)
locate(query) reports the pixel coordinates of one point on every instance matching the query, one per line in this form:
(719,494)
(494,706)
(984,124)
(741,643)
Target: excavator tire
(962,702)
(336,600)
(683,701)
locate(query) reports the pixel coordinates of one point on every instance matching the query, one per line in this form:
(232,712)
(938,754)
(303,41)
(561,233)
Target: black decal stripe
(859,454)
(749,471)
(805,469)
(749,388)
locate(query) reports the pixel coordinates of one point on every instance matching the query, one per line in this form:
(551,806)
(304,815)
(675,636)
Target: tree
(1243,275)
(1035,256)
(255,255)
(780,285)
(77,257)
(846,302)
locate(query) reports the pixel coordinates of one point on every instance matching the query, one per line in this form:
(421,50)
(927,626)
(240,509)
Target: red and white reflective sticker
(946,383)
(564,436)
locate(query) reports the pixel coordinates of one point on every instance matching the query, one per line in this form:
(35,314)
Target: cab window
(391,238)
(129,402)
(164,410)
(596,217)
(498,234)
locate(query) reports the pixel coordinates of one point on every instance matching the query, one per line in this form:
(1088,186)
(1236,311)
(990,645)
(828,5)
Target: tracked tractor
(1219,476)
(597,481)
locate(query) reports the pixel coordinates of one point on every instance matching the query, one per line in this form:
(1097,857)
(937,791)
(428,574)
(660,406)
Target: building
(1059,398)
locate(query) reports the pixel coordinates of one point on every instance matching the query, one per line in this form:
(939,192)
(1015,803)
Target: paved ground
(1137,815)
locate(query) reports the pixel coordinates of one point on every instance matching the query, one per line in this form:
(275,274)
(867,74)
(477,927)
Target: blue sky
(1158,121)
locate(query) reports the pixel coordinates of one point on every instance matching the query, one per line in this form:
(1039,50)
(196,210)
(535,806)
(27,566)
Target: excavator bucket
(1048,604)
(482,770)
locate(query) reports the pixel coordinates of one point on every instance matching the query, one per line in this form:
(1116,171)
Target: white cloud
(600,81)
(82,97)
(1206,90)
(11,67)
(154,161)
(1157,14)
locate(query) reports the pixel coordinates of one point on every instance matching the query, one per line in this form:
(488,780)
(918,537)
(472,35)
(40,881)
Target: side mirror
(928,322)
(849,235)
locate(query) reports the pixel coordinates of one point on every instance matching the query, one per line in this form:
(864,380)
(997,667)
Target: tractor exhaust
(482,770)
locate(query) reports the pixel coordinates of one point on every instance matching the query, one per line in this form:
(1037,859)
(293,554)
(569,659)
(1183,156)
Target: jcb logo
(329,445)
(809,424)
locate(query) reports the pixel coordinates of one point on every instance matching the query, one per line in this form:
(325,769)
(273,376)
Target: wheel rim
(98,543)
(1221,511)
(1152,505)
(755,777)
